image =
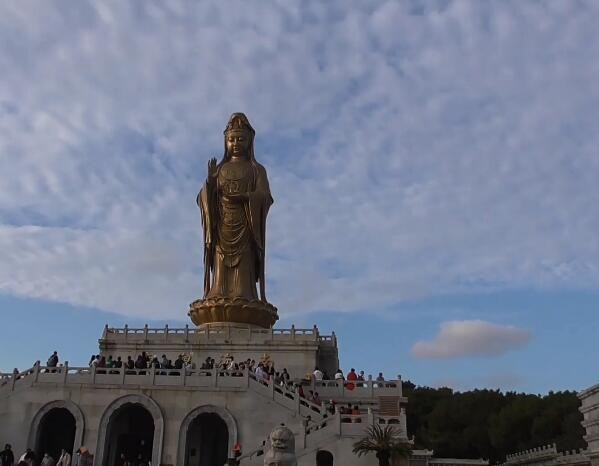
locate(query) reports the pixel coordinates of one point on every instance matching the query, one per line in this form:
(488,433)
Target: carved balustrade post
(65,372)
(36,371)
(370,417)
(304,431)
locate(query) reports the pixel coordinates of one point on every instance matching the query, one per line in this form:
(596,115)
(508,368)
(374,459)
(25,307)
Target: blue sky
(433,166)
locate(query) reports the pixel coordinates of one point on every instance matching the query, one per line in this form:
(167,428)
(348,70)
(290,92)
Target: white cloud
(467,338)
(411,150)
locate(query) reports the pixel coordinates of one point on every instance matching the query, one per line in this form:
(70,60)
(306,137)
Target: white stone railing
(354,389)
(526,455)
(206,378)
(348,425)
(547,454)
(65,375)
(214,333)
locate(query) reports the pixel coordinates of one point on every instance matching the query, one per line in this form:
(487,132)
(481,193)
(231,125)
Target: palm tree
(384,441)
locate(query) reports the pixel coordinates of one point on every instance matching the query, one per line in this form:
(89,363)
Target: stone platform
(299,350)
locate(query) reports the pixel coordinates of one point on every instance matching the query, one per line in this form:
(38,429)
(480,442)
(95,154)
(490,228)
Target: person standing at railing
(260,374)
(102,365)
(339,375)
(317,374)
(361,379)
(155,363)
(118,364)
(351,377)
(53,361)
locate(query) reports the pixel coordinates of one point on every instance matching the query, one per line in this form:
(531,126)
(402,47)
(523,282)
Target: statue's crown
(239,121)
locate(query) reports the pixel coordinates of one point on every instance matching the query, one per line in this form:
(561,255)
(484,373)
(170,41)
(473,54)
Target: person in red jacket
(351,377)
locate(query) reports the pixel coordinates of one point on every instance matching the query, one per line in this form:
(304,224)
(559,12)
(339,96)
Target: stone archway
(112,412)
(36,424)
(222,413)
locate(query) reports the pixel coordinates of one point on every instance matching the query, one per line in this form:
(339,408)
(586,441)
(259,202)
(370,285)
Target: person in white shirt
(339,375)
(65,458)
(317,374)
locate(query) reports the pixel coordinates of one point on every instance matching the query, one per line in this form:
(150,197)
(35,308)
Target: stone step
(389,405)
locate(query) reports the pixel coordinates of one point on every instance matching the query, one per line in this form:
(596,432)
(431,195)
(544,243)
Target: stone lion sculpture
(280,448)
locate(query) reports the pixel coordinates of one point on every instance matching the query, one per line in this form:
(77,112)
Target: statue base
(233,310)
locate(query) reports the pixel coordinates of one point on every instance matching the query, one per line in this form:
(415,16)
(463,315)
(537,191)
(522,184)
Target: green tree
(384,442)
(490,424)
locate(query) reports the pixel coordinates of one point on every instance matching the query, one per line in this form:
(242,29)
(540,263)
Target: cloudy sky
(434,167)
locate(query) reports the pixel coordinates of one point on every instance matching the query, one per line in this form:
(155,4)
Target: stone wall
(589,408)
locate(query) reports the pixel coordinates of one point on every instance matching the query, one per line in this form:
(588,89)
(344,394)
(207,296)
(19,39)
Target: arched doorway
(52,425)
(136,414)
(56,431)
(207,441)
(208,433)
(130,433)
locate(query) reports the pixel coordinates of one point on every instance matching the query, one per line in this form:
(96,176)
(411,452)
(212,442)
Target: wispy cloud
(412,150)
(467,338)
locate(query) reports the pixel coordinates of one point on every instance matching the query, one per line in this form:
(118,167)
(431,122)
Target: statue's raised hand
(212,169)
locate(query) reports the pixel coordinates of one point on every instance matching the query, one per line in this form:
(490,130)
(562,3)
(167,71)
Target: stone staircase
(389,405)
(287,399)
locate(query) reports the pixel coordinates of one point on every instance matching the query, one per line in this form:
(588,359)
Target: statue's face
(281,439)
(238,143)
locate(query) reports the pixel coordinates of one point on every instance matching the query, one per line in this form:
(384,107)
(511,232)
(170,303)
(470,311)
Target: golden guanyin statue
(234,203)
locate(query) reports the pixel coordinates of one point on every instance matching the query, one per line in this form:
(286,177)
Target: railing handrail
(209,332)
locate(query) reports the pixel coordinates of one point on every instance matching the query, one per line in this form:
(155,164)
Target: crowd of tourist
(263,371)
(29,458)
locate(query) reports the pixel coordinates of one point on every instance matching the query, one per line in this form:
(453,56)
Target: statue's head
(239,136)
(282,440)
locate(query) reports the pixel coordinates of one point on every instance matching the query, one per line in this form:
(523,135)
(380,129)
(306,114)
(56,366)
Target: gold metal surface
(234,203)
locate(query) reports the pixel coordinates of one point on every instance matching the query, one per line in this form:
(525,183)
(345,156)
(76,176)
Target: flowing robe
(235,232)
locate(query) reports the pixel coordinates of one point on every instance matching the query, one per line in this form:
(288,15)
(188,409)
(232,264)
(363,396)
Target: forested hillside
(490,424)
